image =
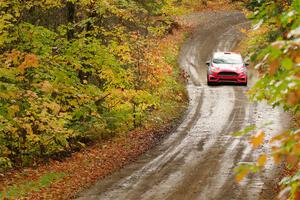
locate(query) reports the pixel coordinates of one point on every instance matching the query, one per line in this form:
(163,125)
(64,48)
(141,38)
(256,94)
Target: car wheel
(211,83)
(245,84)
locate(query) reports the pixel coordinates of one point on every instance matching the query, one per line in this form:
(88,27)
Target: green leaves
(110,75)
(287,63)
(245,131)
(277,60)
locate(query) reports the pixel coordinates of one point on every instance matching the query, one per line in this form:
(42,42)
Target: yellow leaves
(122,51)
(242,174)
(46,87)
(54,107)
(52,96)
(28,128)
(30,134)
(73,102)
(13,110)
(262,160)
(258,139)
(243,30)
(277,158)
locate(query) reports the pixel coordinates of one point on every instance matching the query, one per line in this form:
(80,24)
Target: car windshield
(227,59)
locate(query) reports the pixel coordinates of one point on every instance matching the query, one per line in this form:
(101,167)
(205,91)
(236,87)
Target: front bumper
(216,78)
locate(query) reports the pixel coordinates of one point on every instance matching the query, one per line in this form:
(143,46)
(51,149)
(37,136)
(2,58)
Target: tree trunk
(71,19)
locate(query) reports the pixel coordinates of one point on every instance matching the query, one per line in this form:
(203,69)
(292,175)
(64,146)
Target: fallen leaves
(85,167)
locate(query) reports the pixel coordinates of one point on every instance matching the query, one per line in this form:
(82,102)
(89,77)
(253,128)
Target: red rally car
(227,67)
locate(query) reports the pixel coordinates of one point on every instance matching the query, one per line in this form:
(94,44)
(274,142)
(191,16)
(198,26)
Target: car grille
(227,74)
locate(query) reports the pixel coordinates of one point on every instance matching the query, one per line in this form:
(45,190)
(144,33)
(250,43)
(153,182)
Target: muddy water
(197,160)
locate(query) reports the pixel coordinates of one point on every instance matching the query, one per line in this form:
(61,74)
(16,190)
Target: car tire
(210,83)
(245,84)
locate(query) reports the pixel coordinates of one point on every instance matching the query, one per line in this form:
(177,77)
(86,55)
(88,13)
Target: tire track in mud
(202,171)
(197,160)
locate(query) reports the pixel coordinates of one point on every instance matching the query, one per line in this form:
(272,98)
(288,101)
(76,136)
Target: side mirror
(207,63)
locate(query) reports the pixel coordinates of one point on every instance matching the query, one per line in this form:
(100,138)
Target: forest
(77,71)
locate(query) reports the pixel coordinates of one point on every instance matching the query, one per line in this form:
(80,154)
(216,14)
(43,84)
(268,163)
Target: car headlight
(212,70)
(243,70)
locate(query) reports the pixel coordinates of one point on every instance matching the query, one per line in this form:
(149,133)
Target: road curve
(197,160)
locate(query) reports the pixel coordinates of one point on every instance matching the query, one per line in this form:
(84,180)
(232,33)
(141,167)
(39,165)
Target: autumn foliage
(274,48)
(76,71)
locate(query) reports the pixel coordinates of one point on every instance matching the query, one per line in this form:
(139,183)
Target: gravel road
(197,160)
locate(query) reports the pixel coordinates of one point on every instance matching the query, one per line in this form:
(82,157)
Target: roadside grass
(18,190)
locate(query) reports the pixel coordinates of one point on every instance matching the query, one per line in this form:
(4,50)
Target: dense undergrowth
(75,71)
(274,48)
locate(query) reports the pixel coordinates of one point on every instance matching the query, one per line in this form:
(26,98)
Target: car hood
(228,67)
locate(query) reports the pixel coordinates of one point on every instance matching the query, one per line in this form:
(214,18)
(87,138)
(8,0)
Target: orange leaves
(13,57)
(297,59)
(277,158)
(30,60)
(21,61)
(287,148)
(293,97)
(159,58)
(258,139)
(274,67)
(292,160)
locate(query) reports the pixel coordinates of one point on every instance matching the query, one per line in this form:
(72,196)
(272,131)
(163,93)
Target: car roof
(224,53)
(233,55)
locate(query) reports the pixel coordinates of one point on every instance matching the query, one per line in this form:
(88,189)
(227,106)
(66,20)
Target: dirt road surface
(197,160)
